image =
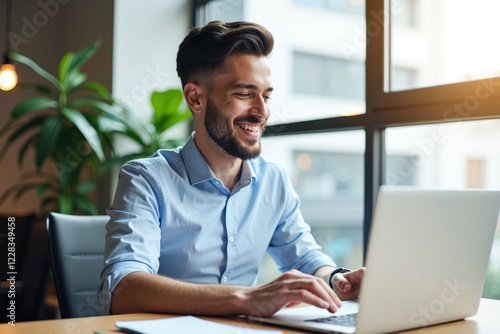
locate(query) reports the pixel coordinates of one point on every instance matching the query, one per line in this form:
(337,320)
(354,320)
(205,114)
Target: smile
(252,128)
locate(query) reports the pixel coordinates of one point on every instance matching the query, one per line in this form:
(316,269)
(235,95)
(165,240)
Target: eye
(243,95)
(266,97)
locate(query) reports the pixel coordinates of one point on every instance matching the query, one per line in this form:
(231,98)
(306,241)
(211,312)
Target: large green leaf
(24,128)
(35,67)
(42,188)
(65,204)
(82,56)
(165,104)
(115,119)
(39,88)
(21,130)
(64,67)
(69,68)
(174,119)
(96,87)
(24,148)
(86,129)
(74,80)
(49,136)
(85,205)
(100,106)
(31,105)
(86,186)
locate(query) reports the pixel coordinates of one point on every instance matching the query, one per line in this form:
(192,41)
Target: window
(354,7)
(328,76)
(450,42)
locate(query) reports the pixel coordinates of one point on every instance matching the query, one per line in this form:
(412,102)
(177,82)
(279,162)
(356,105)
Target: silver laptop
(427,258)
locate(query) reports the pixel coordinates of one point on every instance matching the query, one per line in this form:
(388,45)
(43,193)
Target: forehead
(247,69)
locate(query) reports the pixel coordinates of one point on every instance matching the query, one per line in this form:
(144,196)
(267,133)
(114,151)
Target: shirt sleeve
(133,231)
(292,245)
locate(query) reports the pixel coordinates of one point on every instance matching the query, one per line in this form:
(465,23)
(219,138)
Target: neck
(225,167)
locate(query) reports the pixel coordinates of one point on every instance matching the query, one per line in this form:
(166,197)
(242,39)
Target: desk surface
(486,321)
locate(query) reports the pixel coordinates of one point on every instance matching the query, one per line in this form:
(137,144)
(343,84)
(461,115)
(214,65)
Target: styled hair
(204,50)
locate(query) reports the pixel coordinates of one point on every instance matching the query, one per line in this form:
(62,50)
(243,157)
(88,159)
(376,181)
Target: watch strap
(340,270)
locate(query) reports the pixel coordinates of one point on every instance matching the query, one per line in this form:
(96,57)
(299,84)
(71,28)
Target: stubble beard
(219,130)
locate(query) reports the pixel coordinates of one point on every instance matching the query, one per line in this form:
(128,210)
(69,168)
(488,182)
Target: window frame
(386,109)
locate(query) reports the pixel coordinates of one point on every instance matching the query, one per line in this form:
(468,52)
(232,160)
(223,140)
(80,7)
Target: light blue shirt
(172,216)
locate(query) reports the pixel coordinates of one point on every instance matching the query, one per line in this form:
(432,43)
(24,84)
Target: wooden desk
(487,321)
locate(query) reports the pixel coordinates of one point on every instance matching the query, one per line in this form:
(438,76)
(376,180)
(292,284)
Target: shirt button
(246,182)
(231,239)
(224,279)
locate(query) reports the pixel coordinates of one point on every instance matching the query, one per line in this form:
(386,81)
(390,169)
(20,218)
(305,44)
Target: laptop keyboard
(341,320)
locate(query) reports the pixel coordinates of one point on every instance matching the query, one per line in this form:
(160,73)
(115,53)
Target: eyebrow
(251,87)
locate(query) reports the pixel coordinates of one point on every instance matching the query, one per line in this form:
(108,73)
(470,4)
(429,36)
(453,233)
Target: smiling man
(189,226)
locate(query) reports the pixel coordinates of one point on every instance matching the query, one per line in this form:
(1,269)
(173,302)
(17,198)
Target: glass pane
(220,10)
(443,41)
(318,61)
(354,7)
(327,173)
(449,155)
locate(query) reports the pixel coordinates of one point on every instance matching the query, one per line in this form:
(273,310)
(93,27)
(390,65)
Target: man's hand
(347,285)
(290,289)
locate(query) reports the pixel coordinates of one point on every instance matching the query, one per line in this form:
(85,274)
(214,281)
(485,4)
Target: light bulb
(8,77)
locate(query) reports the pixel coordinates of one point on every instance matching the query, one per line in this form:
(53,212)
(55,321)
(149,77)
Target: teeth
(253,128)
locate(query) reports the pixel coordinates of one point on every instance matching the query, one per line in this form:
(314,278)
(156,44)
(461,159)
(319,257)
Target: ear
(193,94)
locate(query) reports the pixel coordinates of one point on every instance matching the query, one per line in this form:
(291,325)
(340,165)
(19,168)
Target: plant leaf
(85,205)
(165,104)
(82,56)
(47,202)
(65,204)
(96,87)
(23,128)
(22,152)
(35,67)
(32,105)
(49,136)
(39,88)
(174,119)
(18,190)
(86,186)
(75,79)
(64,67)
(42,188)
(86,130)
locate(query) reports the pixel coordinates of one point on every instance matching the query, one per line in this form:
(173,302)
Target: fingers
(293,288)
(342,283)
(348,284)
(313,284)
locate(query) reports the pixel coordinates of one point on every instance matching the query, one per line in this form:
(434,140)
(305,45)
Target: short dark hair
(205,49)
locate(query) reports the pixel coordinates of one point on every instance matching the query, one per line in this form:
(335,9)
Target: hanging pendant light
(8,75)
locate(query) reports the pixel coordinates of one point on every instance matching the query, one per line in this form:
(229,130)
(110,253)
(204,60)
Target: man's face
(237,111)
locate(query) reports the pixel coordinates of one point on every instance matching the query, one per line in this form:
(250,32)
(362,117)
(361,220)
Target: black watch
(336,271)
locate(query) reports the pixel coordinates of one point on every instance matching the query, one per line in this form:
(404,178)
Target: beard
(219,128)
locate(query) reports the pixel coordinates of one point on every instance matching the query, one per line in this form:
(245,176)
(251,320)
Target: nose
(260,108)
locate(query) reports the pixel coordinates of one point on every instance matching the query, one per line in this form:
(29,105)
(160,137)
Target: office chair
(76,248)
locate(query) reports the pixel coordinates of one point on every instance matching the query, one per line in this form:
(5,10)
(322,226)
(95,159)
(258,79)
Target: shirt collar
(196,166)
(199,171)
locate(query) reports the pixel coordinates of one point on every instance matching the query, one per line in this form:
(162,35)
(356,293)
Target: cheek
(234,108)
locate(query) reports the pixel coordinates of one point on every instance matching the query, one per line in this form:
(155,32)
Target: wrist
(240,301)
(339,270)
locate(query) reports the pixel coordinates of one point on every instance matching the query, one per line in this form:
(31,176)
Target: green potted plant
(72,126)
(66,126)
